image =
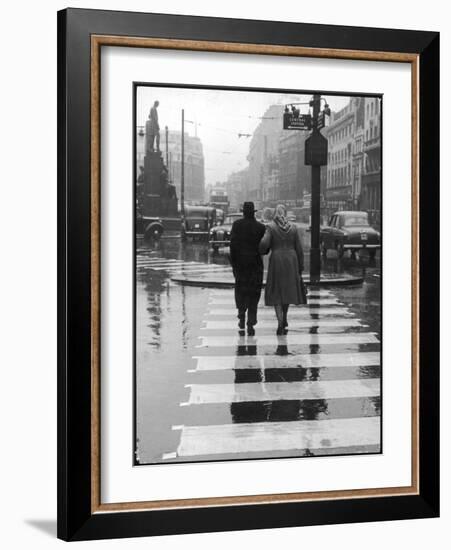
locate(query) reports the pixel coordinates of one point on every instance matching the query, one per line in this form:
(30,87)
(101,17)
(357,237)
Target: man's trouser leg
(240,303)
(252,311)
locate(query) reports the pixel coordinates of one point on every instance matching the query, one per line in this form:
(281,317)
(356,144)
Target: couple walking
(250,239)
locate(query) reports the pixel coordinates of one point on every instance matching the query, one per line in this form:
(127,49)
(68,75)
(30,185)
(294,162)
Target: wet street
(205,392)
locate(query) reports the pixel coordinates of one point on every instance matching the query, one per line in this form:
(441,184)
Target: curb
(228,283)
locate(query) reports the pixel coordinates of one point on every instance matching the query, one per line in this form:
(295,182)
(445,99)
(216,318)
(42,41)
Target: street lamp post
(315,254)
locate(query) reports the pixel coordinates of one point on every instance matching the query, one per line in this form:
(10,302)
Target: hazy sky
(220,116)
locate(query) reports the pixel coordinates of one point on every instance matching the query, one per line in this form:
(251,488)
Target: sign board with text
(322,120)
(296,121)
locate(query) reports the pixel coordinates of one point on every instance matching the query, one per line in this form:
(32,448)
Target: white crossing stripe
(169,456)
(300,323)
(290,339)
(156,261)
(293,312)
(205,267)
(198,267)
(313,292)
(165,262)
(160,264)
(167,267)
(231,302)
(278,436)
(276,391)
(319,360)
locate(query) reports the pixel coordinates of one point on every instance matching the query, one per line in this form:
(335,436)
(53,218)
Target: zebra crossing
(146,263)
(313,391)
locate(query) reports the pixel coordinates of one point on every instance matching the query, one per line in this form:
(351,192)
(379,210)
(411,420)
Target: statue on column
(159,197)
(153,128)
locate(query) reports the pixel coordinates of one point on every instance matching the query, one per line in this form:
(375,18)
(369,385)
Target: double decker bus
(220,200)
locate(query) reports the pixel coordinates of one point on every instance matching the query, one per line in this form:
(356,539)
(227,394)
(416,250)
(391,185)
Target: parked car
(198,221)
(220,234)
(219,216)
(259,216)
(149,227)
(291,216)
(349,230)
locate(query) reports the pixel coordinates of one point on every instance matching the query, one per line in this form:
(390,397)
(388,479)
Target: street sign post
(315,156)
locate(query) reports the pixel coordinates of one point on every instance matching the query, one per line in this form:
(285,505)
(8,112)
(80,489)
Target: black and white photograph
(258,274)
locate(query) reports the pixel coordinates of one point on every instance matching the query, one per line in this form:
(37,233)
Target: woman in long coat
(284,284)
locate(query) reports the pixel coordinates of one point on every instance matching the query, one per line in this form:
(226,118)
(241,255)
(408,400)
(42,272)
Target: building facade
(354,158)
(371,197)
(358,156)
(237,186)
(194,173)
(294,175)
(263,150)
(340,134)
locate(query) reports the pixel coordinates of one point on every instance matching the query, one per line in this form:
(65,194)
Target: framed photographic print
(248,274)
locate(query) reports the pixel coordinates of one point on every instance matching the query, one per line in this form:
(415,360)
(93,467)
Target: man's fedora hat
(248,207)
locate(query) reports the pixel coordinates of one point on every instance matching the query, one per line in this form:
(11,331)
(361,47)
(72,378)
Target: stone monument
(159,196)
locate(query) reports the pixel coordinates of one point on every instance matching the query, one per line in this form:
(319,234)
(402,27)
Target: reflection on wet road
(206,392)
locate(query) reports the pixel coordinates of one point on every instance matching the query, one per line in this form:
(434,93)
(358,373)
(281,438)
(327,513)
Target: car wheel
(340,250)
(152,235)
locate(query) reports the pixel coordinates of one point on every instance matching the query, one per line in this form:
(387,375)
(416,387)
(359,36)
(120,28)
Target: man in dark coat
(247,266)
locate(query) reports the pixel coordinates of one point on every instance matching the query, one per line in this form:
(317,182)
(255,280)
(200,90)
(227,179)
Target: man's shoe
(250,330)
(241,323)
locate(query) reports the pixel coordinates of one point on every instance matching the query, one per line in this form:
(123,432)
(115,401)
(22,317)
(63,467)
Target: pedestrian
(284,285)
(247,266)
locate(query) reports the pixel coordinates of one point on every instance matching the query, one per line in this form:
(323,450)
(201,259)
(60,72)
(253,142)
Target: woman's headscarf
(280,218)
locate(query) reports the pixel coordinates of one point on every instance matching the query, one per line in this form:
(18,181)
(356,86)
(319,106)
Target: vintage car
(197,222)
(149,227)
(291,216)
(349,230)
(220,235)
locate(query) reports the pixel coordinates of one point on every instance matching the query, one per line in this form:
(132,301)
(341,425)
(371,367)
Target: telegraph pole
(182,168)
(167,148)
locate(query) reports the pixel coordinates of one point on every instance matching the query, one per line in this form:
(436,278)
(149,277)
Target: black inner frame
(75,519)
